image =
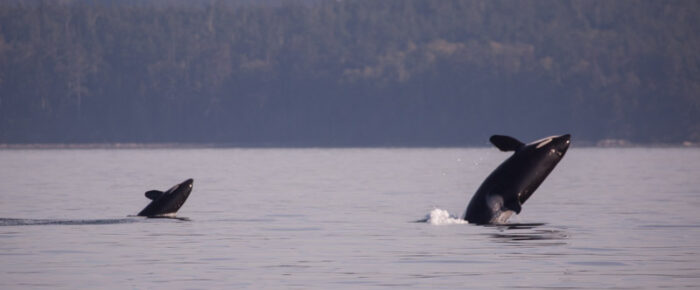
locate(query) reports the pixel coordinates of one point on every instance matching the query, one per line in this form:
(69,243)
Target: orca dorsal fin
(154,194)
(505,143)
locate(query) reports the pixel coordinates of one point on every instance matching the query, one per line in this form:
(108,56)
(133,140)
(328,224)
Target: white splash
(440,217)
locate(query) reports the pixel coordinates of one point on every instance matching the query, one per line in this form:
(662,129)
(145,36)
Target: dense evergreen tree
(348,73)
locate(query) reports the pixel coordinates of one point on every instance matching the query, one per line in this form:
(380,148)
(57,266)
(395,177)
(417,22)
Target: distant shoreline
(579,144)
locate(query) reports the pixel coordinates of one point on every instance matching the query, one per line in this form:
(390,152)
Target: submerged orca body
(513,182)
(167,203)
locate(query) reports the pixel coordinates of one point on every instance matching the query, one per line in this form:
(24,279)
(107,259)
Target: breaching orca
(167,203)
(513,182)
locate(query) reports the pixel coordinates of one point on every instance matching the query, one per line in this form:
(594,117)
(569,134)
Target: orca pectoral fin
(153,194)
(505,143)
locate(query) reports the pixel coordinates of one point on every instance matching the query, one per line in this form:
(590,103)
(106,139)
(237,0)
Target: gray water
(343,218)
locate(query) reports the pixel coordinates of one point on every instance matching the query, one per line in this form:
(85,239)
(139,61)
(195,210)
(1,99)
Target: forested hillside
(348,73)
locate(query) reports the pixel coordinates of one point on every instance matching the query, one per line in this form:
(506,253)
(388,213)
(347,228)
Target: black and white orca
(165,204)
(513,182)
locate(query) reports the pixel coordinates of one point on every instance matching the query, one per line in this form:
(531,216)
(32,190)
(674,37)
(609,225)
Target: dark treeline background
(348,73)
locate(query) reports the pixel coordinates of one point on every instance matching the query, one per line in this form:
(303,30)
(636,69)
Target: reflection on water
(519,233)
(506,233)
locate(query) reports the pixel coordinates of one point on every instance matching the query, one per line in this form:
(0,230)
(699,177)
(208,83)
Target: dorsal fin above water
(505,143)
(153,194)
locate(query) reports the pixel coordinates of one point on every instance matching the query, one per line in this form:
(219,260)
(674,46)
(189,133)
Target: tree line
(348,73)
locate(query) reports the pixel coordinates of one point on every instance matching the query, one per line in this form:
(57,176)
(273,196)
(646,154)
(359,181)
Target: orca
(505,190)
(167,203)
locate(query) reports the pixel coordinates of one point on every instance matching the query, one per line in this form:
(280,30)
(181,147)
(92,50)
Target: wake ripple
(38,222)
(8,222)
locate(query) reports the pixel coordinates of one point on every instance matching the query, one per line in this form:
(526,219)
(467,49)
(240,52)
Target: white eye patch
(544,142)
(173,188)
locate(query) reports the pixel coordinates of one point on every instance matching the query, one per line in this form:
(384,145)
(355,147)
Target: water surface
(344,219)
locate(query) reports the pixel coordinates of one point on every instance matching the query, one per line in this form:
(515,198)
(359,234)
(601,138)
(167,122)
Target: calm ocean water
(343,218)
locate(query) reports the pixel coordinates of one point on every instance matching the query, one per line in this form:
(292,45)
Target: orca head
(553,147)
(177,195)
(184,188)
(537,160)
